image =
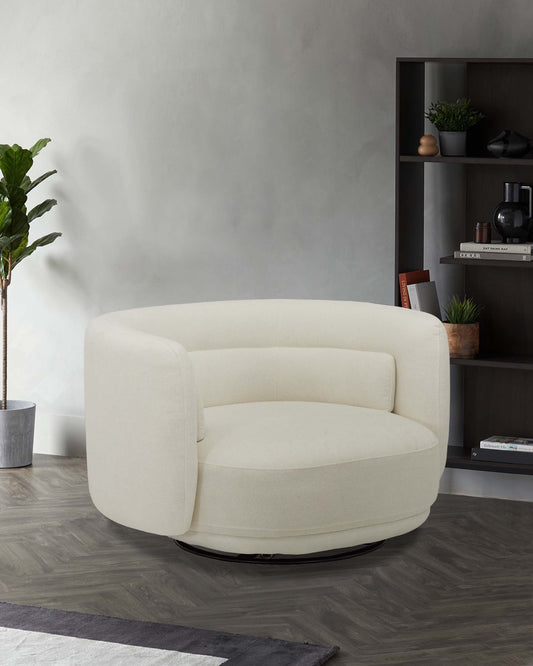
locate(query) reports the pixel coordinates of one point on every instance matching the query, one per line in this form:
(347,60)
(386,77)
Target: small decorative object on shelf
(428,145)
(462,327)
(512,216)
(453,119)
(509,144)
(482,232)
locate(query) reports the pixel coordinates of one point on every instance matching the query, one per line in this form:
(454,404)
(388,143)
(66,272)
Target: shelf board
(494,263)
(481,61)
(497,361)
(511,161)
(459,458)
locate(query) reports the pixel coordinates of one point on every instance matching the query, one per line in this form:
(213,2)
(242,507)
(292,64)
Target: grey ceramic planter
(17,424)
(452,143)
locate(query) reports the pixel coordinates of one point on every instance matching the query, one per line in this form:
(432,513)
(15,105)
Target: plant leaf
(456,116)
(15,163)
(40,242)
(19,220)
(41,209)
(38,146)
(19,249)
(7,241)
(5,215)
(36,182)
(462,310)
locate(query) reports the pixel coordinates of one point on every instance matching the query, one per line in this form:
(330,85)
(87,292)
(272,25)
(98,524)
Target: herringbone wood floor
(457,591)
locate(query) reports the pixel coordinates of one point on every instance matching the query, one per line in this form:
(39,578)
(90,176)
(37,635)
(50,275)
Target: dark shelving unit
(497,387)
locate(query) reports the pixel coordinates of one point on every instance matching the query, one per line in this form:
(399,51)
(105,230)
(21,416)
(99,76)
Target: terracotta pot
(463,340)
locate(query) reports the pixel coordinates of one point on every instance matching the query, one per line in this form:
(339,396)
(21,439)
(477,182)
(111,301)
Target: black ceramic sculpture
(513,217)
(509,144)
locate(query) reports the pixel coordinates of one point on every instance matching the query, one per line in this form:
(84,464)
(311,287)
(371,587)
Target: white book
(423,297)
(497,247)
(502,443)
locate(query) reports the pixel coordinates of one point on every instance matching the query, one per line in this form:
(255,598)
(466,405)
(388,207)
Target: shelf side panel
(409,222)
(409,106)
(410,218)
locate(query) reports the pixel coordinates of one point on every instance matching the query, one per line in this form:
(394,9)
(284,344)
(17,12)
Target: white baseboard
(59,434)
(487,484)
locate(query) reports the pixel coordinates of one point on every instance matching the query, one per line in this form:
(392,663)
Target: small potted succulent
(17,417)
(462,327)
(453,119)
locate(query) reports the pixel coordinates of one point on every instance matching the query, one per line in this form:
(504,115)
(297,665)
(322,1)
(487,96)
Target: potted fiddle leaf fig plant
(17,417)
(453,119)
(462,327)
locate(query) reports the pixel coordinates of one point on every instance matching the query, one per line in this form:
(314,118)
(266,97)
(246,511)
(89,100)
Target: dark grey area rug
(183,642)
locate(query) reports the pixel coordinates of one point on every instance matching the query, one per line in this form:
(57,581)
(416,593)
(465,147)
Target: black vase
(512,217)
(508,144)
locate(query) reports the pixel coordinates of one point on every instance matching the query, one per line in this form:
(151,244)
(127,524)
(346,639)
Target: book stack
(418,292)
(500,448)
(495,251)
(406,279)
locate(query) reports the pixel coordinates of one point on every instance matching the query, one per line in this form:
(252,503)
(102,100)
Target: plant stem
(3,304)
(4,344)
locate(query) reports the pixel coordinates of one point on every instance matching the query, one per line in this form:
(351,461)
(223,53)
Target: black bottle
(512,217)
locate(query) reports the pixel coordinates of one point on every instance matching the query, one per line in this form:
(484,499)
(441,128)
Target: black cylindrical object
(513,217)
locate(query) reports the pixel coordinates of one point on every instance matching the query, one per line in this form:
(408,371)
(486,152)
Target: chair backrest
(248,351)
(314,374)
(298,349)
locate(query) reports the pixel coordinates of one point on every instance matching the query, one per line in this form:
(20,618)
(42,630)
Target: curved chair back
(362,354)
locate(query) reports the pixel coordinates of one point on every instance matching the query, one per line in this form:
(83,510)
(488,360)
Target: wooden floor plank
(458,591)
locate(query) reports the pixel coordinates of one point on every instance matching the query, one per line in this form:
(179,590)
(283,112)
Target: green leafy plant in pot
(453,119)
(17,417)
(462,327)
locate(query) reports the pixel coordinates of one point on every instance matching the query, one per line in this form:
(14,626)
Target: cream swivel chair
(267,427)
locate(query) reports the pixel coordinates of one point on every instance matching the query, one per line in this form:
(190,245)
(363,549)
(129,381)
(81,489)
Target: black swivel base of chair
(324,556)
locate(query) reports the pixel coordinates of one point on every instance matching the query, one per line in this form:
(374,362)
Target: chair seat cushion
(292,468)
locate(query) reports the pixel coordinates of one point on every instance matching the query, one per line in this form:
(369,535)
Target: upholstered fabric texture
(267,425)
(314,374)
(281,468)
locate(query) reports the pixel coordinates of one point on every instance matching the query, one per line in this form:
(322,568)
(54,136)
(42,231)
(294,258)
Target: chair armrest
(141,420)
(419,343)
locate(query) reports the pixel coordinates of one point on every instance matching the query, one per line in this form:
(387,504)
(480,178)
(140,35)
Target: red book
(413,277)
